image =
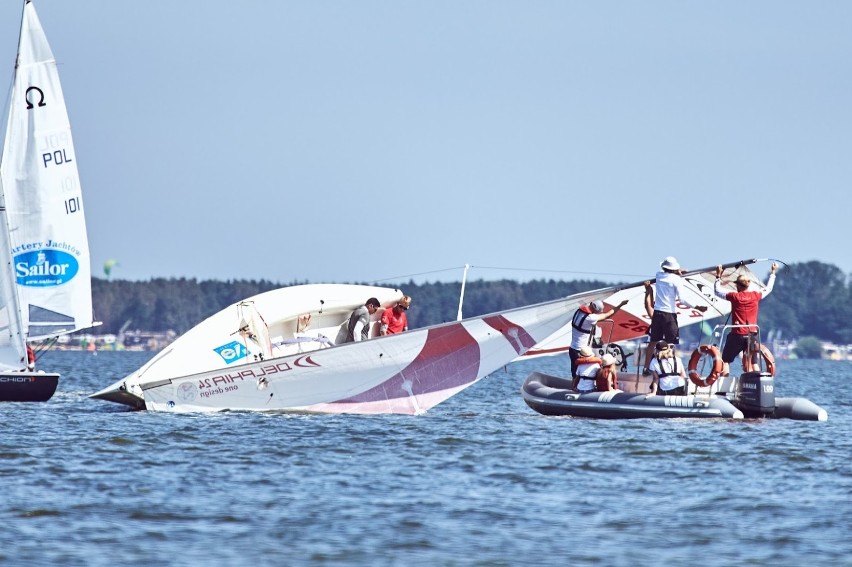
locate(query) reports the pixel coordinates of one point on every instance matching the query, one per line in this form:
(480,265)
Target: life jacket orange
(601,382)
(579,319)
(588,360)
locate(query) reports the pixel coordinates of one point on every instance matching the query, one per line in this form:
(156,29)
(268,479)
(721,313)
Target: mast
(12,336)
(461,296)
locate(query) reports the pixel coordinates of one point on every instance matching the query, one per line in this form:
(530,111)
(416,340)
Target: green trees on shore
(810,298)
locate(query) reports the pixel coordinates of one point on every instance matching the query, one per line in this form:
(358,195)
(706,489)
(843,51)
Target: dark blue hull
(27,386)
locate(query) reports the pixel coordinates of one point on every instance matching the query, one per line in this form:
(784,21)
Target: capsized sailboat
(218,366)
(45,274)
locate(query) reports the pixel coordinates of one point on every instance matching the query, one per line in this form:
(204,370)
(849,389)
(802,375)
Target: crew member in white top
(669,374)
(587,370)
(669,293)
(583,326)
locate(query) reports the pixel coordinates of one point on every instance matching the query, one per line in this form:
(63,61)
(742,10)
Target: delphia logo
(232,352)
(44,268)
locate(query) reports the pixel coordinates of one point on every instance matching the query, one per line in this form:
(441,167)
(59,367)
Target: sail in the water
(44,252)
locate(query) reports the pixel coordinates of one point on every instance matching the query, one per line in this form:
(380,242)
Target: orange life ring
(752,365)
(715,370)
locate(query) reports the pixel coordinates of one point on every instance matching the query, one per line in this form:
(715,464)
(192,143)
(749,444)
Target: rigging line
(398,278)
(558,271)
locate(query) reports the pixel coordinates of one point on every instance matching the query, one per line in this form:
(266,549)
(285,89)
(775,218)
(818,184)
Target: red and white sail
(631,322)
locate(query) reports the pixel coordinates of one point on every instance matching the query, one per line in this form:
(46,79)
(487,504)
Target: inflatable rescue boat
(749,395)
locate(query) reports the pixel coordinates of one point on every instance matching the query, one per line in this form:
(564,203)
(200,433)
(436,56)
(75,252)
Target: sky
(383,141)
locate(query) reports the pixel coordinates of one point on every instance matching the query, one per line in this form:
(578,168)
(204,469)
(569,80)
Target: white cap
(597,305)
(607,359)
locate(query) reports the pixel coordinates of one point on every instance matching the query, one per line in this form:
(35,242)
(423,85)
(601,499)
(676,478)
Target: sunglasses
(403,307)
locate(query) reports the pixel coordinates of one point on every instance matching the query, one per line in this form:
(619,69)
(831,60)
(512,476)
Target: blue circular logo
(45,268)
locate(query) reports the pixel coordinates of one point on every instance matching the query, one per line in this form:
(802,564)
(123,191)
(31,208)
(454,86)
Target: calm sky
(368,141)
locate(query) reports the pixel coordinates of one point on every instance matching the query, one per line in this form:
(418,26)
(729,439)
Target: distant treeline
(179,304)
(810,298)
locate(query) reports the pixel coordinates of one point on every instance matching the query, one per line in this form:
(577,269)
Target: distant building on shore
(131,340)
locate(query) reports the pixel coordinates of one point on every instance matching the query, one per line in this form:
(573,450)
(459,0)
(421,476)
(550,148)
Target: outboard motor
(756,394)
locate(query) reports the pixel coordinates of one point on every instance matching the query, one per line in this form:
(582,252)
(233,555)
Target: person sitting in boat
(357,326)
(588,366)
(583,327)
(744,307)
(607,378)
(668,371)
(394,319)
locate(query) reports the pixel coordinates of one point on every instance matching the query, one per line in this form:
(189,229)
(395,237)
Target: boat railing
(753,347)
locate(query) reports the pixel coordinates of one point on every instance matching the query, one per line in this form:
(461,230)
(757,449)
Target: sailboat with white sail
(45,273)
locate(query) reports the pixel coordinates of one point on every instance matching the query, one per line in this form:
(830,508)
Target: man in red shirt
(744,306)
(394,319)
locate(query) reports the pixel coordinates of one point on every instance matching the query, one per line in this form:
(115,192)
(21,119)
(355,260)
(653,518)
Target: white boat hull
(406,373)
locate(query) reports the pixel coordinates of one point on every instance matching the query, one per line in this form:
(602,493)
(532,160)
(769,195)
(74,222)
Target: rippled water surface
(479,480)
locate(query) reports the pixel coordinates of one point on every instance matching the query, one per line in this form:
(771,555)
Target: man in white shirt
(669,293)
(583,326)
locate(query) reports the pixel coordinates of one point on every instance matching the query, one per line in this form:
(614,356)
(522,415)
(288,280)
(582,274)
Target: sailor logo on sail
(43,268)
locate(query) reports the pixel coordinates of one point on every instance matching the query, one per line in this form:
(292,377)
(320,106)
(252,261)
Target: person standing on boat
(669,295)
(394,319)
(669,373)
(357,326)
(583,326)
(588,366)
(607,378)
(31,358)
(744,307)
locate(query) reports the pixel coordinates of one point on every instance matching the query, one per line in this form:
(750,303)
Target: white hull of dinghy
(284,321)
(406,373)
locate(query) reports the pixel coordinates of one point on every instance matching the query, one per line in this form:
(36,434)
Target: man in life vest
(669,295)
(744,307)
(587,371)
(583,326)
(669,373)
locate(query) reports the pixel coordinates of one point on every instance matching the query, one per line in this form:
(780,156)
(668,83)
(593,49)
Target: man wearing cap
(394,319)
(669,374)
(669,293)
(357,326)
(583,327)
(744,306)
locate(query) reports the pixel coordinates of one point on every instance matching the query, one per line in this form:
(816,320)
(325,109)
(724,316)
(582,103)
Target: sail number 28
(72,205)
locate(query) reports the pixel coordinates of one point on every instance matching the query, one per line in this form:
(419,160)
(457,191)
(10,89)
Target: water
(480,480)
